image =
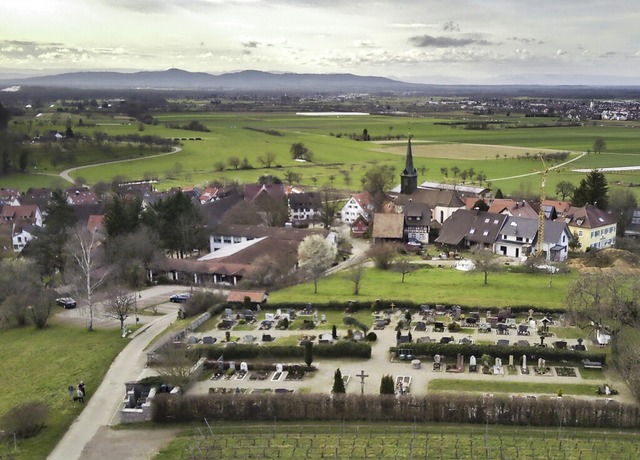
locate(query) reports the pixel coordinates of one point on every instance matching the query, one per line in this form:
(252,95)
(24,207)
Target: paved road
(105,401)
(65,174)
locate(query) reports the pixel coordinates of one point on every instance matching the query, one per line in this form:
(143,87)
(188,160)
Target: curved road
(105,401)
(65,174)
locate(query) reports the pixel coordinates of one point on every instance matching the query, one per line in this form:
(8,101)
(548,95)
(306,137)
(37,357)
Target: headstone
(498,362)
(193,339)
(436,359)
(524,361)
(455,312)
(278,312)
(268,317)
(472,361)
(232,365)
(244,367)
(207,340)
(228,312)
(510,360)
(323,318)
(278,367)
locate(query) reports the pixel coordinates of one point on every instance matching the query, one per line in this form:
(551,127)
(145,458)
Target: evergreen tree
(499,194)
(338,383)
(122,216)
(592,190)
(334,332)
(387,386)
(308,353)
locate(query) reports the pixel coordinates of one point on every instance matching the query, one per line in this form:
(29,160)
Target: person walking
(82,387)
(80,395)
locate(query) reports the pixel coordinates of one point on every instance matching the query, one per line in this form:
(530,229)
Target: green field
(341,161)
(399,441)
(39,365)
(436,285)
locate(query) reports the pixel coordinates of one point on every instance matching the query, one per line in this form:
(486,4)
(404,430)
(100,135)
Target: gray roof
(445,198)
(471,226)
(520,226)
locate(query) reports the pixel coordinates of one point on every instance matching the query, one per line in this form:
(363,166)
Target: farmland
(501,152)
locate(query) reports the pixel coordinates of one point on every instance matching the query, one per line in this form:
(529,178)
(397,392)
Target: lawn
(436,285)
(394,440)
(39,365)
(491,386)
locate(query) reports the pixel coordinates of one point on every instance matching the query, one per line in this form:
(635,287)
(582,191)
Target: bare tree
(175,366)
(118,305)
(383,255)
(404,266)
(355,275)
(330,204)
(267,159)
(82,250)
(485,262)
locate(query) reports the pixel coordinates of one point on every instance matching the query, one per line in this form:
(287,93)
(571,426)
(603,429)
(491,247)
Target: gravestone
(278,367)
(244,367)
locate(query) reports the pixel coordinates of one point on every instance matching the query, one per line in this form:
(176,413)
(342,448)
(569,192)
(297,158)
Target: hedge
(430,408)
(340,349)
(502,352)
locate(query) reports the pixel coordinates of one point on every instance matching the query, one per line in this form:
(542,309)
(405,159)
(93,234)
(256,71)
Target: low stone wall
(153,356)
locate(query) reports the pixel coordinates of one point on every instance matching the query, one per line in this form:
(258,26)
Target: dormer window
(472,231)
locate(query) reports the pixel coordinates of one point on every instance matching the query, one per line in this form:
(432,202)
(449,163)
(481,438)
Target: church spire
(409,176)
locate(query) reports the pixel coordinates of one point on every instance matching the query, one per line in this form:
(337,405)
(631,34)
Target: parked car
(180,298)
(66,302)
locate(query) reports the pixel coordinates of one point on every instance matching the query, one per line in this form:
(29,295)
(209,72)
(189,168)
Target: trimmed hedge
(430,408)
(341,349)
(502,352)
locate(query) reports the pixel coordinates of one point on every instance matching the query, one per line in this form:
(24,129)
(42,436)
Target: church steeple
(409,176)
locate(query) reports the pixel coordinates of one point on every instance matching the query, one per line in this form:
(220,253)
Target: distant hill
(248,80)
(252,81)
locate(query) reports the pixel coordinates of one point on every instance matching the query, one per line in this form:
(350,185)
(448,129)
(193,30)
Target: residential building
(388,228)
(593,227)
(417,222)
(467,227)
(518,238)
(443,203)
(356,205)
(304,207)
(22,214)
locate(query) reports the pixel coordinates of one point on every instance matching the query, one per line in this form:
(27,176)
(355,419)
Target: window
(472,231)
(217,239)
(226,239)
(486,221)
(485,233)
(518,238)
(237,239)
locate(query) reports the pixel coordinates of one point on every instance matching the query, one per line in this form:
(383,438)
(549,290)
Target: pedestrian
(82,387)
(80,396)
(71,390)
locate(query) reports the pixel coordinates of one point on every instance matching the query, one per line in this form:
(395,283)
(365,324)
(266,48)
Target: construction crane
(541,217)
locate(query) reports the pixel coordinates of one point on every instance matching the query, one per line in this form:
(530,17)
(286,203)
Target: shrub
(372,337)
(26,420)
(453,327)
(200,302)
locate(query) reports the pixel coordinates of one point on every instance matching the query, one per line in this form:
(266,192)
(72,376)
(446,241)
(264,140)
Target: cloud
(427,41)
(415,25)
(528,41)
(363,44)
(451,27)
(561,52)
(251,44)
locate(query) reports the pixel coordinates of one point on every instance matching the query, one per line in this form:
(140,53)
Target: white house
(358,205)
(20,236)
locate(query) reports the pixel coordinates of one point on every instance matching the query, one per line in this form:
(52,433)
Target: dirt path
(138,444)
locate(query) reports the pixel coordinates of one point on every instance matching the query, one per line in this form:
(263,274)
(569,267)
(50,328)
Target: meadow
(39,365)
(437,285)
(400,441)
(342,161)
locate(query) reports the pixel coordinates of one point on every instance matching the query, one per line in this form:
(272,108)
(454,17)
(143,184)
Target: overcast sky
(443,41)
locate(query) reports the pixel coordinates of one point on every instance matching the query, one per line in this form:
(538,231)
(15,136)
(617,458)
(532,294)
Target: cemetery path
(105,401)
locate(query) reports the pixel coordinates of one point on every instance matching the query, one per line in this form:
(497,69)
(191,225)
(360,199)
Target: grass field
(39,365)
(436,285)
(399,441)
(342,161)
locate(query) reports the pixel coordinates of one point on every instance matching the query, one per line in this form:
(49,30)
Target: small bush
(372,337)
(26,420)
(453,327)
(200,302)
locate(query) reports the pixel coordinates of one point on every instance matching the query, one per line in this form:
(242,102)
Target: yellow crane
(541,217)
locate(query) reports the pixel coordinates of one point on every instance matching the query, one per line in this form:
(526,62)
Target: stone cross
(362,376)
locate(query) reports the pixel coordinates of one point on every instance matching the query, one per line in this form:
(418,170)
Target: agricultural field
(501,152)
(360,441)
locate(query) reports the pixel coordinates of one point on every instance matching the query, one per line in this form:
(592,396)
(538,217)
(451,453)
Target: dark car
(66,302)
(180,298)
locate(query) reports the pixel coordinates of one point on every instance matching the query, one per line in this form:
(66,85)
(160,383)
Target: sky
(425,41)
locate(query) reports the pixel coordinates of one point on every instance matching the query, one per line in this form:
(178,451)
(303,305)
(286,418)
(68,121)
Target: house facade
(304,207)
(593,227)
(518,238)
(359,204)
(417,223)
